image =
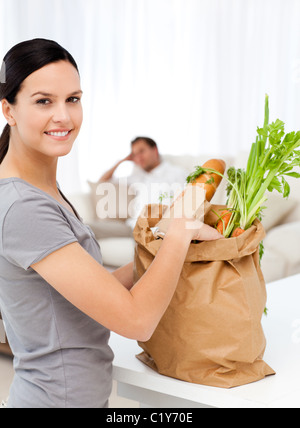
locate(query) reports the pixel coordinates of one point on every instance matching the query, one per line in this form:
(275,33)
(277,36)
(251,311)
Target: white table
(282,329)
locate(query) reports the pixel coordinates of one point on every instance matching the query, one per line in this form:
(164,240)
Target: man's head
(145,153)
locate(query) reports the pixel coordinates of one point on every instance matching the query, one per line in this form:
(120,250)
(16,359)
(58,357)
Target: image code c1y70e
(135,418)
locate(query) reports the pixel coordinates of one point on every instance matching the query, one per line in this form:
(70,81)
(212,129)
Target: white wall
(192,74)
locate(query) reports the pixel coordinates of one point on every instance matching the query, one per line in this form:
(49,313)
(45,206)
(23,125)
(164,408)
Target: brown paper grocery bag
(211,334)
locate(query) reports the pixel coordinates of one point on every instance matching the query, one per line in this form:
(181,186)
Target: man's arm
(109,174)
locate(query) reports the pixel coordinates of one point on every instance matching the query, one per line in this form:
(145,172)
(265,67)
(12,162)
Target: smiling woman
(57,301)
(18,73)
(54,112)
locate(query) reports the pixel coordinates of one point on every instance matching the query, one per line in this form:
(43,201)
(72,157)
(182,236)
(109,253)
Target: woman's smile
(60,135)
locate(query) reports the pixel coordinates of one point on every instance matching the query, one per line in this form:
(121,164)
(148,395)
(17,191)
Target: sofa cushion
(284,239)
(282,252)
(273,265)
(110,200)
(4,346)
(278,209)
(110,229)
(117,252)
(83,204)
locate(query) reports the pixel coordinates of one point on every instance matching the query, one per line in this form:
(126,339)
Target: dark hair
(151,143)
(22,60)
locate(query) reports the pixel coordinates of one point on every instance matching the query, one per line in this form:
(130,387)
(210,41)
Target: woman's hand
(193,229)
(203,232)
(183,220)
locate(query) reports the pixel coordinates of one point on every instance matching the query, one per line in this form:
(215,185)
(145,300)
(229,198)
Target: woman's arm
(125,275)
(91,288)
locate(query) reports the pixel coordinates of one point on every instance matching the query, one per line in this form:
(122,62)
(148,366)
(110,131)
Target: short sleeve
(33,228)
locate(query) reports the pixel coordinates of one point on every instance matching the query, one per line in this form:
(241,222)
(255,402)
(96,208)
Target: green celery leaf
(275,185)
(294,174)
(286,188)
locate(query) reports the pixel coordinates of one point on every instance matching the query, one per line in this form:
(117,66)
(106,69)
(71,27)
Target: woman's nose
(61,114)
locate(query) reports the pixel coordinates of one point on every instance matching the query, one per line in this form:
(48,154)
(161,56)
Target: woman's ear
(7,112)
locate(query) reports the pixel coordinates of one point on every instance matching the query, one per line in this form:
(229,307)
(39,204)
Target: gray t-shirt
(62,357)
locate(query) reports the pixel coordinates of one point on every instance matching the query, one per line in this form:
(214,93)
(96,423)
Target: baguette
(211,181)
(194,200)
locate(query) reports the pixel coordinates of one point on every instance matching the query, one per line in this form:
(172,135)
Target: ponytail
(4,142)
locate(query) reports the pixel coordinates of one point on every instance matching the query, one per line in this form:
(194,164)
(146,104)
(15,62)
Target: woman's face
(47,115)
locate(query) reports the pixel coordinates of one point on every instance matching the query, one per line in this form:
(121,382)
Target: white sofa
(281,221)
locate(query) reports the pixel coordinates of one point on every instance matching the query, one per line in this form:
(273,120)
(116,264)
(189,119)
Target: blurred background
(191,74)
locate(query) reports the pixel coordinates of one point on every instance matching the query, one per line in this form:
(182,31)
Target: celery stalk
(273,157)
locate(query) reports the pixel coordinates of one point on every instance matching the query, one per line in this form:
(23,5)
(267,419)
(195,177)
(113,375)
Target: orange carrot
(237,232)
(223,221)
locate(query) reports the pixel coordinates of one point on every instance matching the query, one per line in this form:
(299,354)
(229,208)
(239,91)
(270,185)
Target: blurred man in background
(145,155)
(161,178)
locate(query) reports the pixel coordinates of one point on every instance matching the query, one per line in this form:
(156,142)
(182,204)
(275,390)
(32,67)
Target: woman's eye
(46,101)
(73,100)
(43,102)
